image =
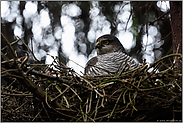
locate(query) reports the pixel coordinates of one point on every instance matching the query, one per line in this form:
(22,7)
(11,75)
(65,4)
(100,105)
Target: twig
(74,92)
(37,114)
(29,49)
(61,93)
(96,108)
(151,23)
(115,105)
(9,45)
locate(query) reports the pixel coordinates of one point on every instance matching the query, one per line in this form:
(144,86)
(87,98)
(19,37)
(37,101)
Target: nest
(55,92)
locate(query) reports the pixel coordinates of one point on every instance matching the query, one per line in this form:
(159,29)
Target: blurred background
(69,29)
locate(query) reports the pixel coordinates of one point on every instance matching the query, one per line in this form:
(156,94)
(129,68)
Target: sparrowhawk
(111,58)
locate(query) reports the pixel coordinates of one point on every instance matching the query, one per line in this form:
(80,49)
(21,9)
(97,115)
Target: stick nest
(55,92)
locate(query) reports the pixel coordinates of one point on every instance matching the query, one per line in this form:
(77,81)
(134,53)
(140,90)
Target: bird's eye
(106,42)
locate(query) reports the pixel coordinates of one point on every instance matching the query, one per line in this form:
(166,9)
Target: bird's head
(108,44)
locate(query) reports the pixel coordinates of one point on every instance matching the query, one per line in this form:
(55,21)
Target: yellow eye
(106,42)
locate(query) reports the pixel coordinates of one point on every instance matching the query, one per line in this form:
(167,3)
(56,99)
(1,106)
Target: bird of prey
(111,58)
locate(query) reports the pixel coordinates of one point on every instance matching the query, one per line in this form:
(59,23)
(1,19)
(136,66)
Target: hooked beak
(97,45)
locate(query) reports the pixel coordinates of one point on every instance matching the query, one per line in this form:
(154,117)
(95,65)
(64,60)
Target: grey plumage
(111,58)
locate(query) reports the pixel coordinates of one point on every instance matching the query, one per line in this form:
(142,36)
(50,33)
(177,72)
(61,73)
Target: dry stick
(67,103)
(25,81)
(85,119)
(142,90)
(38,91)
(147,89)
(76,63)
(177,54)
(25,60)
(13,91)
(46,111)
(86,108)
(100,106)
(115,104)
(10,70)
(133,109)
(9,45)
(89,84)
(168,68)
(74,75)
(131,102)
(5,72)
(74,92)
(61,93)
(4,57)
(96,108)
(29,84)
(91,119)
(178,85)
(37,114)
(84,80)
(28,116)
(64,114)
(135,94)
(93,87)
(57,78)
(29,49)
(151,73)
(27,95)
(15,100)
(89,103)
(78,119)
(102,102)
(106,102)
(82,113)
(12,60)
(121,71)
(128,20)
(46,97)
(11,82)
(124,96)
(125,108)
(107,115)
(21,105)
(159,17)
(130,71)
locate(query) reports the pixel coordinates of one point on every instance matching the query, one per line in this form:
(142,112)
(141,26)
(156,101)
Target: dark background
(93,20)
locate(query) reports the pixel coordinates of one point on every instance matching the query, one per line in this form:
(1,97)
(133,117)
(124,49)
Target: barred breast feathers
(110,63)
